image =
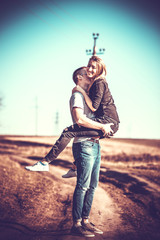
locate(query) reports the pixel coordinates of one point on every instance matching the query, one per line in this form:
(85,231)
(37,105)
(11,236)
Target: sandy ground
(37,205)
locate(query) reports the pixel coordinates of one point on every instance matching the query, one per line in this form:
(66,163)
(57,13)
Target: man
(84,127)
(86,152)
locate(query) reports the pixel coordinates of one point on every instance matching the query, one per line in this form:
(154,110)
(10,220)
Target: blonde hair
(101,67)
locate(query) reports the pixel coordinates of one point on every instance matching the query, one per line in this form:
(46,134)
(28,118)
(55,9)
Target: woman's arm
(97,89)
(86,97)
(89,102)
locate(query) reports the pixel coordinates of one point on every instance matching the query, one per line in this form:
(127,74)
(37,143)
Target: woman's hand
(78,89)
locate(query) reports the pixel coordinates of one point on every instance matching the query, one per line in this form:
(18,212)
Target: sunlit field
(38,205)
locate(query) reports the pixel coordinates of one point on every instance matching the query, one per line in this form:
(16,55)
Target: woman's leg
(61,143)
(69,133)
(106,120)
(77,131)
(64,139)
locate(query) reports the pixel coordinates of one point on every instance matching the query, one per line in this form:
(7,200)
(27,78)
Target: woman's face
(92,69)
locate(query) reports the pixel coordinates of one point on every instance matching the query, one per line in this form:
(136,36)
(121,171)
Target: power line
(53,13)
(64,10)
(50,10)
(36,15)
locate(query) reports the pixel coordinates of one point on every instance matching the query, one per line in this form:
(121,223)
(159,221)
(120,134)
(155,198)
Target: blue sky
(43,43)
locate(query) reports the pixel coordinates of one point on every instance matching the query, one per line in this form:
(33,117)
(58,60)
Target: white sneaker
(39,166)
(70,173)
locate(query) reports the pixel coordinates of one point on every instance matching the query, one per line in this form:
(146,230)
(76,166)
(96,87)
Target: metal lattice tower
(36,116)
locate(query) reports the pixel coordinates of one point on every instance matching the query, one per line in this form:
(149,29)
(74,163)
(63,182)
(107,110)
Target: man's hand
(106,129)
(77,89)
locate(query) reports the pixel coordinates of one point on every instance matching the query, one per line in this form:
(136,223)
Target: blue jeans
(87,156)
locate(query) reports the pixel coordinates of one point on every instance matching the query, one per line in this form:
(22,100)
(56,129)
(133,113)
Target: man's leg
(90,192)
(81,151)
(96,155)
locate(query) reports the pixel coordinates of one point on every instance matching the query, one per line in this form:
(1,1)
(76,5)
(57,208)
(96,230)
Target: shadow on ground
(137,191)
(23,143)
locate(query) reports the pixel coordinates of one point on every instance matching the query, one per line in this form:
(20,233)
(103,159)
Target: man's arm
(82,120)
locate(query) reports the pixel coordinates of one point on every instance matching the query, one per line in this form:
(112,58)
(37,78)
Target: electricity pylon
(36,117)
(56,121)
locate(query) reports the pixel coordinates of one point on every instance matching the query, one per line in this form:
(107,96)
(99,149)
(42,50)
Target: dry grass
(38,205)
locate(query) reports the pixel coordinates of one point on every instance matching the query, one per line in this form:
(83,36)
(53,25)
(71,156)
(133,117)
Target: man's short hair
(76,73)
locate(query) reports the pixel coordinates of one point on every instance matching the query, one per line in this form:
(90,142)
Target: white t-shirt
(77,100)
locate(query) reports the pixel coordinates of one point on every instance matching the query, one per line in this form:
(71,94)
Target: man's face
(92,69)
(85,80)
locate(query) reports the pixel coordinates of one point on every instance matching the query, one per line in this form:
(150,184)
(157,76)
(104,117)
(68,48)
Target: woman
(100,101)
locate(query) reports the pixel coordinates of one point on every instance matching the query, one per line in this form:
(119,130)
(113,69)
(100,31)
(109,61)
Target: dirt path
(37,206)
(138,203)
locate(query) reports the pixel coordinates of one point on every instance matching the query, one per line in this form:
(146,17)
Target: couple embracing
(94,117)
